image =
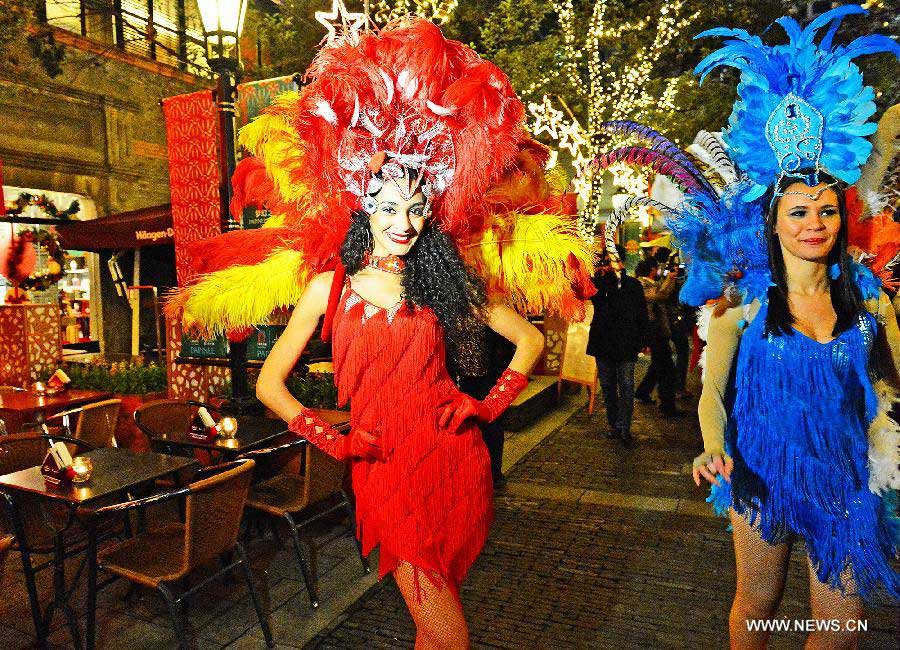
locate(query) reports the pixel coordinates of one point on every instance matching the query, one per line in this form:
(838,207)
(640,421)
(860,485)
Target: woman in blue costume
(794,410)
(786,406)
(797,442)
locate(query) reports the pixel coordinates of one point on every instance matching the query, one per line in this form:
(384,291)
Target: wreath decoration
(25,200)
(43,280)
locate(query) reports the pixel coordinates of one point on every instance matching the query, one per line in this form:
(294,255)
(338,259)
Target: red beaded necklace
(390,263)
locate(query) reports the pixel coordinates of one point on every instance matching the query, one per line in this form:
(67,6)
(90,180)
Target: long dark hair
(845,297)
(435,276)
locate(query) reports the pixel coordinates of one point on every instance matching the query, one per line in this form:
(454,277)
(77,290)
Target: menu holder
(203,427)
(57,466)
(58,382)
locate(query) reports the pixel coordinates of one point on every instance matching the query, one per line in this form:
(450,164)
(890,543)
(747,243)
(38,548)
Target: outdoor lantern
(223,21)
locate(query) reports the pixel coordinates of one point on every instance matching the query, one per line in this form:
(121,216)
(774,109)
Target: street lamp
(223,21)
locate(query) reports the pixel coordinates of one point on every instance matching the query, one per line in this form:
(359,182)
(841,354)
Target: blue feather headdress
(724,244)
(721,235)
(807,100)
(801,106)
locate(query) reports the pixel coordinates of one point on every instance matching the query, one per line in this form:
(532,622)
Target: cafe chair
(166,416)
(6,542)
(161,419)
(96,422)
(37,529)
(164,556)
(284,494)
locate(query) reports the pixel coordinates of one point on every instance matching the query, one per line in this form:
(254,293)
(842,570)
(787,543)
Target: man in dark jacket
(618,332)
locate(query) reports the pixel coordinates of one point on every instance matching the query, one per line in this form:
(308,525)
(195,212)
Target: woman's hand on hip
(456,409)
(363,445)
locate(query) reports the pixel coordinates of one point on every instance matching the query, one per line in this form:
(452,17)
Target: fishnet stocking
(435,608)
(829,604)
(761,573)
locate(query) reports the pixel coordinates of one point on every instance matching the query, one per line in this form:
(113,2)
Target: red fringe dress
(430,504)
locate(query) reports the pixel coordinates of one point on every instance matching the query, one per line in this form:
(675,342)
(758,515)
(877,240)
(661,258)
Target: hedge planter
(130,381)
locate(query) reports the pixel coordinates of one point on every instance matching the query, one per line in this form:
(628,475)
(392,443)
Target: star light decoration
(614,91)
(343,26)
(570,135)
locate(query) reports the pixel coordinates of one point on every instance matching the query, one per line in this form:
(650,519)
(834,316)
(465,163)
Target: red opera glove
(461,407)
(356,444)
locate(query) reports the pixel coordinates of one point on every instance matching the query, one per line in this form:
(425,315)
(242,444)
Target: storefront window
(68,278)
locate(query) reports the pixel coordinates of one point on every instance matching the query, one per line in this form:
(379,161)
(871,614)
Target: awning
(135,229)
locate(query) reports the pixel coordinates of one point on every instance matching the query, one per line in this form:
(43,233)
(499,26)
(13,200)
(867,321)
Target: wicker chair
(215,502)
(168,416)
(39,528)
(6,542)
(96,422)
(283,494)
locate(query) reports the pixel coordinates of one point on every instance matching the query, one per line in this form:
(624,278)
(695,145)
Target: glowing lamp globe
(223,21)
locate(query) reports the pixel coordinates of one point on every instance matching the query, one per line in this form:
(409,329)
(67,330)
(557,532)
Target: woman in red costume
(421,472)
(407,200)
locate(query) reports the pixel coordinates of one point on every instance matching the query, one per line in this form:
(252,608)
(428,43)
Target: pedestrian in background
(681,322)
(618,332)
(656,293)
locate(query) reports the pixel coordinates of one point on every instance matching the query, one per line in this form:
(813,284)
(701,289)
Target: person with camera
(662,369)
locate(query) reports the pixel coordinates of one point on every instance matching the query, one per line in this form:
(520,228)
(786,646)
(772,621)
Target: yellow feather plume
(270,137)
(533,261)
(274,221)
(241,296)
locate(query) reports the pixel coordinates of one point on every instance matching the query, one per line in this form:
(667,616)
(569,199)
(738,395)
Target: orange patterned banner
(192,133)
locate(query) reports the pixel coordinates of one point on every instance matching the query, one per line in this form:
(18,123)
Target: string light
(610,94)
(434,10)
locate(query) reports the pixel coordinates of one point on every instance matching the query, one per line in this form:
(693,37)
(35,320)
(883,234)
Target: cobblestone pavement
(595,546)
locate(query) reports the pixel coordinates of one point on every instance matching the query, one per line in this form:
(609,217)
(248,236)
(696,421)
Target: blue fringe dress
(797,431)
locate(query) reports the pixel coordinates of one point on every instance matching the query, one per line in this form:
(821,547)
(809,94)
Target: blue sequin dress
(797,431)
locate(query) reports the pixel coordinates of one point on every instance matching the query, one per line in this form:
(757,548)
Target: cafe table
(115,472)
(253,432)
(18,407)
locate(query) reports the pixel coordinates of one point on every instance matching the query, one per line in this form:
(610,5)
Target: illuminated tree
(435,10)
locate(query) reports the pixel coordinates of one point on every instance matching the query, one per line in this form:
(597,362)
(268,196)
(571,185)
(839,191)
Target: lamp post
(223,21)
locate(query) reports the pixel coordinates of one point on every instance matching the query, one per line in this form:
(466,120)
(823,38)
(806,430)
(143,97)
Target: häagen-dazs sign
(154,235)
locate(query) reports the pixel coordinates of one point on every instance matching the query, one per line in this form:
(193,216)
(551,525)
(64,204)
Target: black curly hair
(435,276)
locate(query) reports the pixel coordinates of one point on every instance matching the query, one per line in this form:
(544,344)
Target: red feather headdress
(401,98)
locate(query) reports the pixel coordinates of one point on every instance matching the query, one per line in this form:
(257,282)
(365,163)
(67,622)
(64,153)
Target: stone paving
(594,546)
